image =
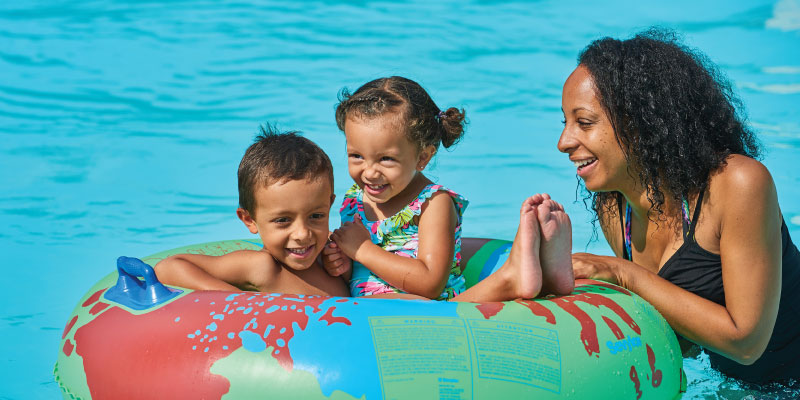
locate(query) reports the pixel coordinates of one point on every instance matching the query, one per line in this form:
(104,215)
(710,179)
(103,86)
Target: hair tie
(441,115)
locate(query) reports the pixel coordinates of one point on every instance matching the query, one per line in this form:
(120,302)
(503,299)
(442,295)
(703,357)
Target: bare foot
(522,267)
(521,274)
(556,249)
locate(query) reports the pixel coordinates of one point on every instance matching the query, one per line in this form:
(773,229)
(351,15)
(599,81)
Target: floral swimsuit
(399,234)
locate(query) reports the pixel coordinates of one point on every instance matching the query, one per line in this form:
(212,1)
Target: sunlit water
(122,123)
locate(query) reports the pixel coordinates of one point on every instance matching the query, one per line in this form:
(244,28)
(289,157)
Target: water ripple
(122,123)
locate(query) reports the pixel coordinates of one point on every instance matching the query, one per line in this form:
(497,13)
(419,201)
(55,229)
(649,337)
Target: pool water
(122,123)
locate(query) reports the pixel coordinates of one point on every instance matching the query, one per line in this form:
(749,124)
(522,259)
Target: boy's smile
(291,218)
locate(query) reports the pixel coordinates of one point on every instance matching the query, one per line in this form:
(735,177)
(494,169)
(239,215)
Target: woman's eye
(584,123)
(564,121)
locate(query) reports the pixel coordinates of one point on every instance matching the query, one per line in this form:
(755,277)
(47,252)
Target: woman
(691,215)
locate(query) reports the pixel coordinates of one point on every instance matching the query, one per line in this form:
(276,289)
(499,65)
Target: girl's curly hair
(419,117)
(673,112)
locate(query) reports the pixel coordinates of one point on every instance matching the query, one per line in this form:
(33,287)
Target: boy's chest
(316,276)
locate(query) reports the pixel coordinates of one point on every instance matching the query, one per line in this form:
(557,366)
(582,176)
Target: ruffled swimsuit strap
(428,191)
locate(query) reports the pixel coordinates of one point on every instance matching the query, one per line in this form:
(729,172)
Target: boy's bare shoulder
(257,267)
(252,255)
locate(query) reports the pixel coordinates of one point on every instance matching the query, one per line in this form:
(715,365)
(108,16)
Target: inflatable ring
(130,337)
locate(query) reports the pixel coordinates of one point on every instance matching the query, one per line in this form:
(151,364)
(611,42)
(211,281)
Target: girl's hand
(334,260)
(351,237)
(592,266)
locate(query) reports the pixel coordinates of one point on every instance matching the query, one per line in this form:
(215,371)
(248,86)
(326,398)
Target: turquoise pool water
(122,123)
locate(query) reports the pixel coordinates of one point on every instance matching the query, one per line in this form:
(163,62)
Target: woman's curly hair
(673,112)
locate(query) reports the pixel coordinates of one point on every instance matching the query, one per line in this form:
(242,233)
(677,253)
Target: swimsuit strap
(685,213)
(626,252)
(688,226)
(696,215)
(626,237)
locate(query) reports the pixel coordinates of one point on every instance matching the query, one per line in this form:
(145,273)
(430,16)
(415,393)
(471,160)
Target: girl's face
(380,158)
(588,136)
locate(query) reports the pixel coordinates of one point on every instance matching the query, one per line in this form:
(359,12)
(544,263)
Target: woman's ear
(248,220)
(425,156)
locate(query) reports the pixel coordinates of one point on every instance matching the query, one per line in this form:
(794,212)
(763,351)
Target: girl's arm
(743,204)
(425,275)
(335,262)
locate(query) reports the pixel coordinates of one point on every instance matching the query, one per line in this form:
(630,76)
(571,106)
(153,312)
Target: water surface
(122,123)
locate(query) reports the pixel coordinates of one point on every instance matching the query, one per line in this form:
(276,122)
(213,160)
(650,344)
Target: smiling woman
(655,135)
(588,138)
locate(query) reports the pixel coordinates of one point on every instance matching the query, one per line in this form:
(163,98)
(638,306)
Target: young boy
(285,195)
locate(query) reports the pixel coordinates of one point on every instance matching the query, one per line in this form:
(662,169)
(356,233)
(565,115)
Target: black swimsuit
(699,271)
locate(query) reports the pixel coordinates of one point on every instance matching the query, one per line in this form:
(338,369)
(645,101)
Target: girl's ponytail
(452,121)
(421,118)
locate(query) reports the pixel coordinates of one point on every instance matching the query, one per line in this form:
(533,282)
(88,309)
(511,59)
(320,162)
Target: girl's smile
(375,190)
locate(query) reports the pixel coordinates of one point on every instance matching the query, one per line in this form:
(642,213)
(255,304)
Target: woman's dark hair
(673,112)
(425,124)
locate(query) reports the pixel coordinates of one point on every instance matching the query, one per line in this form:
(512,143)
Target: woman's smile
(585,166)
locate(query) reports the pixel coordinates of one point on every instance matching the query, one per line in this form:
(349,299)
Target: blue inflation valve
(135,293)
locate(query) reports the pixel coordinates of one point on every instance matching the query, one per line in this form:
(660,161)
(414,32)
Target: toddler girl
(402,231)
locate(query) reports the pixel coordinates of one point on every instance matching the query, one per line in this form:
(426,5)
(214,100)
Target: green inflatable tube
(130,338)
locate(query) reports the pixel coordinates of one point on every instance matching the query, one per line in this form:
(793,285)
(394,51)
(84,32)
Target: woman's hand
(351,237)
(592,266)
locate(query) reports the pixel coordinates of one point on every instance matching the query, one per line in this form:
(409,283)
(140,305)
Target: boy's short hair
(278,157)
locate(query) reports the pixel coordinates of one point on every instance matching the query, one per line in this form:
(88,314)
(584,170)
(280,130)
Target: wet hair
(673,112)
(279,157)
(424,123)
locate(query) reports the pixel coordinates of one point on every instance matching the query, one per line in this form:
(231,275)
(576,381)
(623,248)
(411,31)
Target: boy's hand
(351,236)
(334,260)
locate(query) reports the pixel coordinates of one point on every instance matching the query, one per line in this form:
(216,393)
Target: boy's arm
(240,270)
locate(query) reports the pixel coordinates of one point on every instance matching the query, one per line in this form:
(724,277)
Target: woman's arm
(743,204)
(425,275)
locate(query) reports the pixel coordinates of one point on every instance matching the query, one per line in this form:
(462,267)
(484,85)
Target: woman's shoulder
(740,178)
(742,187)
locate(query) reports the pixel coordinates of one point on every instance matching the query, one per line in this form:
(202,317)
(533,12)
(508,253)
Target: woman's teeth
(582,163)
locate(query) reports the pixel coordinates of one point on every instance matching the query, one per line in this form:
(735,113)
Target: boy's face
(292,219)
